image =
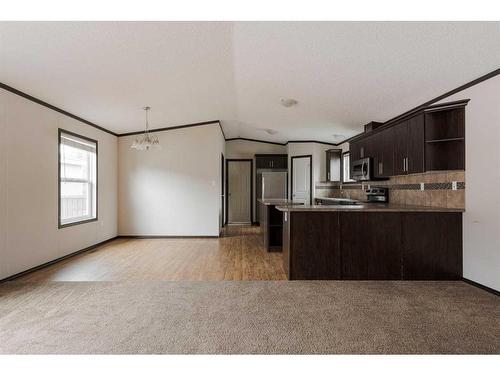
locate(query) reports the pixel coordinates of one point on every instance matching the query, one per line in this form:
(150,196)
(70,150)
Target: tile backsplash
(435,189)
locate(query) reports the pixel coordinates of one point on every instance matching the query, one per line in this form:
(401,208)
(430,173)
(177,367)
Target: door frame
(223,188)
(227,187)
(310,175)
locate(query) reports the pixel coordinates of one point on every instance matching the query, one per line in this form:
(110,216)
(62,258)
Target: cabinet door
(280,162)
(377,153)
(432,246)
(314,249)
(388,152)
(263,162)
(416,144)
(368,147)
(383,153)
(354,151)
(370,245)
(400,147)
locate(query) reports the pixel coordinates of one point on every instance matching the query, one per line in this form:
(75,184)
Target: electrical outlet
(422,186)
(453,185)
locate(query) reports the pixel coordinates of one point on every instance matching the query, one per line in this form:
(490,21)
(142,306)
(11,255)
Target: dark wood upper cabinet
(382,153)
(354,150)
(271,161)
(430,140)
(445,139)
(409,146)
(416,145)
(280,162)
(400,147)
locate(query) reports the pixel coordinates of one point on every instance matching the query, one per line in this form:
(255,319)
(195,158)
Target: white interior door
(301,180)
(239,190)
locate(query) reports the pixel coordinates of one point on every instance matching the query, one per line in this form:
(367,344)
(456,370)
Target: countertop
(364,207)
(276,202)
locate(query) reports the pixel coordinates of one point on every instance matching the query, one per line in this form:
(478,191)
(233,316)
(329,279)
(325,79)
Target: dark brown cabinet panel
(409,144)
(432,246)
(445,140)
(377,155)
(382,153)
(416,145)
(280,162)
(270,161)
(314,251)
(370,245)
(286,245)
(271,224)
(400,147)
(430,140)
(354,151)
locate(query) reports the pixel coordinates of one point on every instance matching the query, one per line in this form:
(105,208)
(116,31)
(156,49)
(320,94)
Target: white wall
(318,152)
(174,191)
(242,149)
(29,234)
(482,179)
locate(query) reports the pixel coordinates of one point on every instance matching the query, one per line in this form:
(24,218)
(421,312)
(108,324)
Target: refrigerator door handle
(263,188)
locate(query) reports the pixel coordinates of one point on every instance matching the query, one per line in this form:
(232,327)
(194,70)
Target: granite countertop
(365,207)
(276,201)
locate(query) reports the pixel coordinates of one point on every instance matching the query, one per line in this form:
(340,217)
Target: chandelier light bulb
(146,141)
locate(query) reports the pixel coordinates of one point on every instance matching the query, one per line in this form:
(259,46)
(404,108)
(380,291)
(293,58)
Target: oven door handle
(365,169)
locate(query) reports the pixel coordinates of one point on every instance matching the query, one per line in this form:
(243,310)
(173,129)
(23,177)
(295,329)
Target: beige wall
(174,191)
(482,178)
(29,234)
(318,168)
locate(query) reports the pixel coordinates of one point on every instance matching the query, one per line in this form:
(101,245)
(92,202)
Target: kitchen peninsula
(271,222)
(371,242)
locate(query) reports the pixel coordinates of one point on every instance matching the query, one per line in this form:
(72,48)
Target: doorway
(301,179)
(239,191)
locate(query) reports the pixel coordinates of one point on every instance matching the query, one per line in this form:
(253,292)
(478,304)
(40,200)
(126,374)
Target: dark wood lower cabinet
(271,223)
(372,245)
(314,253)
(432,246)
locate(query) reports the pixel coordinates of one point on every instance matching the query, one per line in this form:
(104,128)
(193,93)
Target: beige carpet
(248,317)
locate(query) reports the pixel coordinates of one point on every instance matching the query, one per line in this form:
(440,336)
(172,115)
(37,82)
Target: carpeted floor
(248,317)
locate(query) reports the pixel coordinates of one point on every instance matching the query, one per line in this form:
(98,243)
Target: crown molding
(410,112)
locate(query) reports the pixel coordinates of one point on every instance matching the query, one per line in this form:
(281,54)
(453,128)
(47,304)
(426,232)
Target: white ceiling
(343,74)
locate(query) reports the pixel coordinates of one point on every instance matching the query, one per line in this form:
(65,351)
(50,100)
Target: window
(346,168)
(77,179)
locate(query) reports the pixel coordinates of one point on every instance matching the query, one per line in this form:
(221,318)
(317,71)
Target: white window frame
(344,180)
(91,184)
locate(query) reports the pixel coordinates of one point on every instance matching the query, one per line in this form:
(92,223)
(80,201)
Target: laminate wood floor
(238,255)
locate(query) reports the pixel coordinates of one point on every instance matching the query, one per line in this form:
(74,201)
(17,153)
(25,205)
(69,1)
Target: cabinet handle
(381,167)
(404,164)
(407,167)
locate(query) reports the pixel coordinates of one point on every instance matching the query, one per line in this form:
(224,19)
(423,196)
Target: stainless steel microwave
(361,170)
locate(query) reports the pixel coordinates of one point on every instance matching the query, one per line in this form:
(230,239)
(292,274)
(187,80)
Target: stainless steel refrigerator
(271,185)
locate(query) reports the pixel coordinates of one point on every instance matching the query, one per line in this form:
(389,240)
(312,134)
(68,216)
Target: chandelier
(146,141)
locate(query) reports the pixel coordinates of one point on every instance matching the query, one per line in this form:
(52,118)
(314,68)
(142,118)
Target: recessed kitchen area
(249,188)
(391,210)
